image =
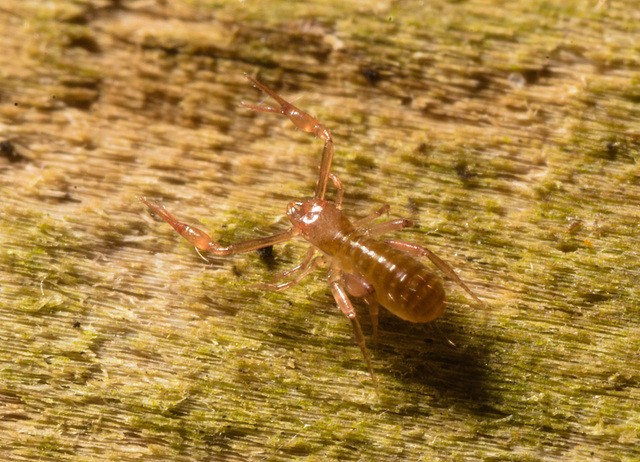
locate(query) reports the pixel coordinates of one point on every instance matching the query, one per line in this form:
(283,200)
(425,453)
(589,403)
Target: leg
(296,269)
(387,226)
(301,270)
(420,251)
(374,311)
(363,221)
(346,307)
(338,184)
(357,286)
(304,122)
(202,241)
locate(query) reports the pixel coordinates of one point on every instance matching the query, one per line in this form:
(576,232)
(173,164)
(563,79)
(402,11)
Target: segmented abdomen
(403,284)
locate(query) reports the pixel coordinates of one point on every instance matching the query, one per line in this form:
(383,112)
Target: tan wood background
(508,130)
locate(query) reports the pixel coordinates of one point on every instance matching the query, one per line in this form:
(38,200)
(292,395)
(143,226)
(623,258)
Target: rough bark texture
(509,131)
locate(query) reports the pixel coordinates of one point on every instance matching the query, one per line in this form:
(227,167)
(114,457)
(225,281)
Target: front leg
(363,221)
(202,241)
(296,269)
(299,273)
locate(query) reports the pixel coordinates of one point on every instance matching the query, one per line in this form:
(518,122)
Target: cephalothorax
(359,265)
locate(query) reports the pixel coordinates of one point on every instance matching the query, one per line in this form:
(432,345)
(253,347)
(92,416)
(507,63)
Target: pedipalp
(304,122)
(202,241)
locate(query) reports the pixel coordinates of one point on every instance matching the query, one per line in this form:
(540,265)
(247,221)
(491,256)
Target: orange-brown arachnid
(385,273)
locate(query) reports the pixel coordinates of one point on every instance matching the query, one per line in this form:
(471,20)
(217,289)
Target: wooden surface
(508,130)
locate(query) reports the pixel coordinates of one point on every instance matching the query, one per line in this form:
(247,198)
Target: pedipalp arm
(304,122)
(202,241)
